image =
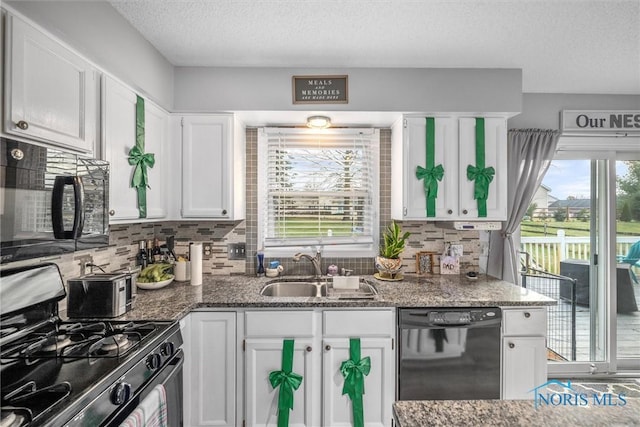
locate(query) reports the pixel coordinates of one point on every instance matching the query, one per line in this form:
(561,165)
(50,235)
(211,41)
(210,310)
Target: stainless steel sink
(319,288)
(294,289)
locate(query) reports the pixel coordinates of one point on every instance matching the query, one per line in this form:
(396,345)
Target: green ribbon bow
(430,174)
(479,173)
(482,179)
(287,381)
(354,370)
(141,161)
(431,177)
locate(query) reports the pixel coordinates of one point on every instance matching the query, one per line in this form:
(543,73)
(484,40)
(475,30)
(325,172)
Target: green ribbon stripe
(431,174)
(140,160)
(479,173)
(287,381)
(354,370)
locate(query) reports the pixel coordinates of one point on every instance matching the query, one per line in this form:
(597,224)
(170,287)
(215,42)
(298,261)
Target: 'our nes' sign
(600,121)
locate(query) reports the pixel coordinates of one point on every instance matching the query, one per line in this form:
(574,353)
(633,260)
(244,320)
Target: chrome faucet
(316,261)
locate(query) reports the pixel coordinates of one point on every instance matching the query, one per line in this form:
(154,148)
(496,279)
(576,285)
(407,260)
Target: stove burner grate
(40,401)
(15,417)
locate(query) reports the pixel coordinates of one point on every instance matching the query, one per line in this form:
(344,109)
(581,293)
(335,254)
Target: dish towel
(151,412)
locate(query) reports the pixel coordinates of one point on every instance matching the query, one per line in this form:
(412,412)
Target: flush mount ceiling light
(318,122)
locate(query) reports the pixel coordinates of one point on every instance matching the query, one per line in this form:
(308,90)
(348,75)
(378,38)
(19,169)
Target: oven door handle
(161,377)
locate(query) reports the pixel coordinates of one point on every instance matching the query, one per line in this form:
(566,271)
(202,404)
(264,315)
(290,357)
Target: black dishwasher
(449,353)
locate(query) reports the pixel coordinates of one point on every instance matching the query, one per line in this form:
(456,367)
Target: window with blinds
(318,188)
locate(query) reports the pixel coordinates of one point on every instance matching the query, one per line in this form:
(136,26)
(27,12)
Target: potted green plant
(388,263)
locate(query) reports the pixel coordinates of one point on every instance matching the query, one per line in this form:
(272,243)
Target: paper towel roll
(195,258)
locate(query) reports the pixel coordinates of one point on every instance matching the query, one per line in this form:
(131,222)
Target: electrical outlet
(236,251)
(207,250)
(85,260)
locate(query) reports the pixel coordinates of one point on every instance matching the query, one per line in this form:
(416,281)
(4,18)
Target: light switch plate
(236,251)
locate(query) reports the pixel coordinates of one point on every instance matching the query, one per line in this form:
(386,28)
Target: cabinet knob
(308,348)
(327,347)
(464,212)
(112,212)
(22,125)
(527,314)
(224,211)
(449,211)
(512,345)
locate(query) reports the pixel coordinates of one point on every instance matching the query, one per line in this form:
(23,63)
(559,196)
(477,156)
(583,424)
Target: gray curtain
(530,152)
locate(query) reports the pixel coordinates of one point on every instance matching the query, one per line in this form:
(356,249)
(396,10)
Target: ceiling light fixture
(318,122)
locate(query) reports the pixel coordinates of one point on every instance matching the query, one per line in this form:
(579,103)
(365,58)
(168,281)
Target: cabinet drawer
(525,322)
(358,323)
(288,324)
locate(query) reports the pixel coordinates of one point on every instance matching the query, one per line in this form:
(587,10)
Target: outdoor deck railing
(547,252)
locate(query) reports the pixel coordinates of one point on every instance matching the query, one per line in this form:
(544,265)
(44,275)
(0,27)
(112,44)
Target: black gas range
(78,373)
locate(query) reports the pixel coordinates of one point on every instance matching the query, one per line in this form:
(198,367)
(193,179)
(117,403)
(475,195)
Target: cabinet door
(210,386)
(51,91)
(263,355)
(379,385)
(445,154)
(119,136)
(206,166)
(524,366)
(156,132)
(495,156)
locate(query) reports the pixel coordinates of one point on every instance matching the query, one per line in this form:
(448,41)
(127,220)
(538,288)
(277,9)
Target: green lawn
(572,228)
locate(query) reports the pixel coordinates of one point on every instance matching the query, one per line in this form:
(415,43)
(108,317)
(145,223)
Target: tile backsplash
(121,253)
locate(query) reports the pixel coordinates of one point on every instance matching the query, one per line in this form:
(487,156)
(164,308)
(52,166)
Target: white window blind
(318,188)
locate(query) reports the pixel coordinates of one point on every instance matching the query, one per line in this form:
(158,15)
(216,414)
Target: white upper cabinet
(495,155)
(119,136)
(156,142)
(212,167)
(51,93)
(452,149)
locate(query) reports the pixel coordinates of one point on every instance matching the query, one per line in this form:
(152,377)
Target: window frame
(343,250)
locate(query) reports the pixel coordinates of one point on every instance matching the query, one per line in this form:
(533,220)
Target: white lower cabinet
(524,356)
(379,384)
(321,345)
(210,369)
(264,355)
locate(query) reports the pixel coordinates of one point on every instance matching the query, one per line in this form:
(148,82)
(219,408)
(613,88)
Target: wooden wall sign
(621,122)
(320,89)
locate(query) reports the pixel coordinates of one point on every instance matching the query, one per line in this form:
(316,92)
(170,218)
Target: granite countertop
(510,413)
(177,299)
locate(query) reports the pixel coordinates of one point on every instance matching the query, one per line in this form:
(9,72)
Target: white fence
(547,252)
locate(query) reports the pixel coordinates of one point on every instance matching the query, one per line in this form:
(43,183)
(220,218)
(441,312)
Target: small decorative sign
(320,89)
(450,260)
(449,265)
(425,262)
(572,121)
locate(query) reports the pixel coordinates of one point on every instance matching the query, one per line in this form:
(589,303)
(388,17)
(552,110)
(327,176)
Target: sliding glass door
(581,225)
(628,263)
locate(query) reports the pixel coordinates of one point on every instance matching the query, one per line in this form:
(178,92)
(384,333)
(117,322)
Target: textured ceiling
(562,46)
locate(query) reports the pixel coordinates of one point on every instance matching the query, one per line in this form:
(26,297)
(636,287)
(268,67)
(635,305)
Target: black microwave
(51,201)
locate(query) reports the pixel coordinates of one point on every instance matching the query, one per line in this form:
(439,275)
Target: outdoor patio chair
(633,259)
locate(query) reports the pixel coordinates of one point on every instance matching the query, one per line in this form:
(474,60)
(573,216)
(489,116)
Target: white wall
(542,110)
(103,36)
(370,89)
